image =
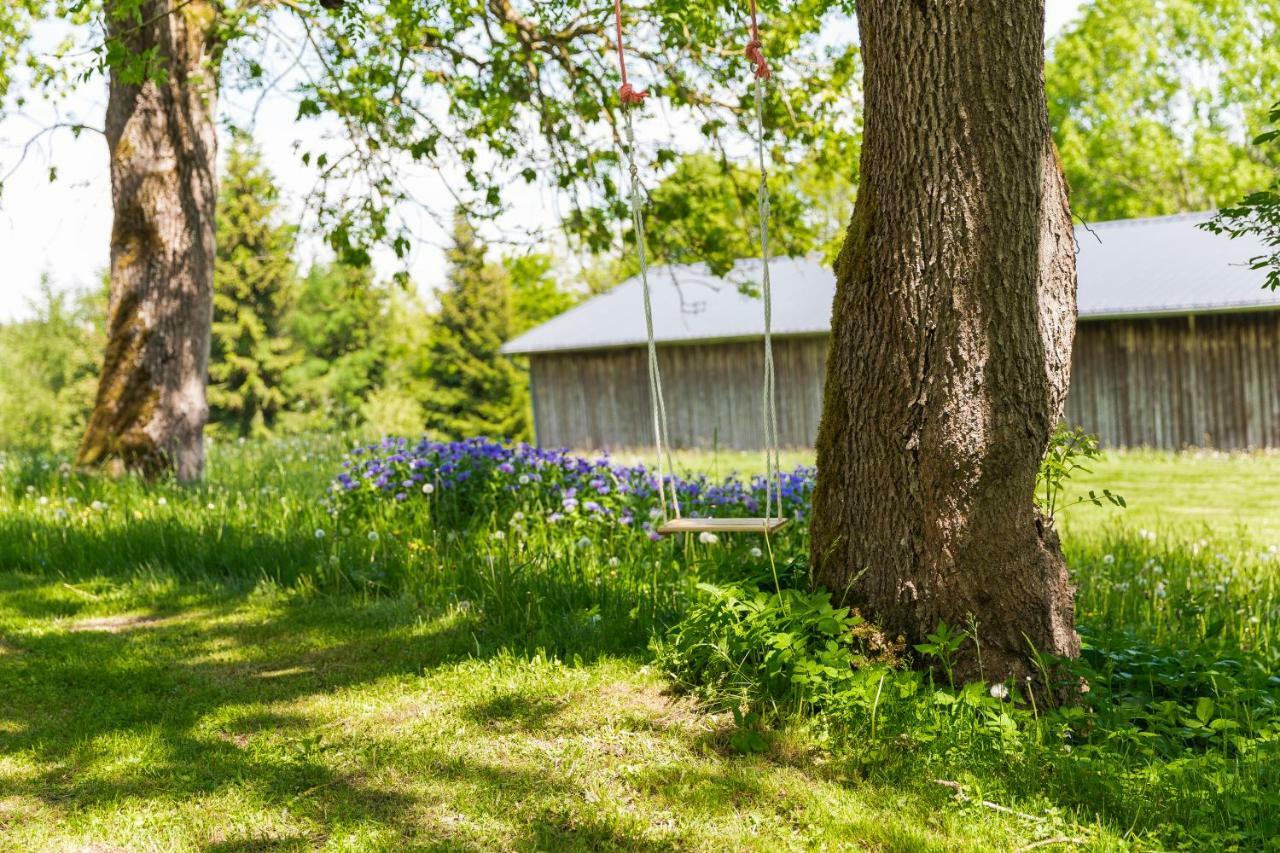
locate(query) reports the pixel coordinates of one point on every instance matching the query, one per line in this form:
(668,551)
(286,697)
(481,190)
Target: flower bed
(480,478)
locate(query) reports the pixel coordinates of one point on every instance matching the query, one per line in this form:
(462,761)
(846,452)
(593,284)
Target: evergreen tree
(340,322)
(254,281)
(475,390)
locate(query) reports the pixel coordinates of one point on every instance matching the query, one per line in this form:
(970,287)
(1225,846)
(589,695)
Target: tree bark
(951,339)
(150,410)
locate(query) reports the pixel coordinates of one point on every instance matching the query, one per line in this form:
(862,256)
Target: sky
(61,228)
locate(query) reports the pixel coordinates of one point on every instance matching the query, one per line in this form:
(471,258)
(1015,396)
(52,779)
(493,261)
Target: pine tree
(340,321)
(474,389)
(254,281)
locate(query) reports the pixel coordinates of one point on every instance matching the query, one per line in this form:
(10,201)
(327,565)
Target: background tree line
(1153,104)
(328,348)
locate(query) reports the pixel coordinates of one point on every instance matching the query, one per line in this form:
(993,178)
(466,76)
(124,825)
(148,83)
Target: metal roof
(1131,267)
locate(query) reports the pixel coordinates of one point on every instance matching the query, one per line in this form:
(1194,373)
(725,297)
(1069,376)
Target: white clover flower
(999,691)
(1108,559)
(584,542)
(428,488)
(210,505)
(706,537)
(160,501)
(319,533)
(756,553)
(44,501)
(373,536)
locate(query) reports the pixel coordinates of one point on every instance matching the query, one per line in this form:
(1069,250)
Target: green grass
(178,716)
(195,669)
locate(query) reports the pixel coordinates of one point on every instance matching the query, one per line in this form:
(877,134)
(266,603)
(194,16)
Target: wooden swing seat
(721,525)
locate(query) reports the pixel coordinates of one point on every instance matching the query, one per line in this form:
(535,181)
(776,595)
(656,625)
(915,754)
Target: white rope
(773,463)
(658,404)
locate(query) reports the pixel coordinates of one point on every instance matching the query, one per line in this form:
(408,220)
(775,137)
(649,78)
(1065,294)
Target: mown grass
(197,669)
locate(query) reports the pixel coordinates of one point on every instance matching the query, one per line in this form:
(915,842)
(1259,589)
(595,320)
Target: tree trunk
(951,339)
(150,410)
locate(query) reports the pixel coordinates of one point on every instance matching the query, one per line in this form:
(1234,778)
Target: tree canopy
(1154,103)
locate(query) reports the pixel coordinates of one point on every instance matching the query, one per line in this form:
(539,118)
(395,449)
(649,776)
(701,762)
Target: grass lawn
(177,673)
(179,716)
(1186,495)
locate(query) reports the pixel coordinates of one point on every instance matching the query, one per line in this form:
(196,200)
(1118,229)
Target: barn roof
(1163,265)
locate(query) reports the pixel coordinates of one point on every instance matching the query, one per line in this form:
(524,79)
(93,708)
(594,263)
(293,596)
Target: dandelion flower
(584,542)
(1109,559)
(524,479)
(756,553)
(613,562)
(60,513)
(999,691)
(373,536)
(499,535)
(706,537)
(97,506)
(44,501)
(160,501)
(428,488)
(319,533)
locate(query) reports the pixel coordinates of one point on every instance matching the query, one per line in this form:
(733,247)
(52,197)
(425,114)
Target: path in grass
(157,715)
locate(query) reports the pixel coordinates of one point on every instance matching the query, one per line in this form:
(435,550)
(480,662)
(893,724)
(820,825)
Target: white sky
(62,228)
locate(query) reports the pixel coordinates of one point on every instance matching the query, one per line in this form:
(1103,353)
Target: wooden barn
(1177,345)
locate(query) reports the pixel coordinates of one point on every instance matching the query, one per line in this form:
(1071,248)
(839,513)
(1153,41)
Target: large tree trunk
(951,339)
(150,410)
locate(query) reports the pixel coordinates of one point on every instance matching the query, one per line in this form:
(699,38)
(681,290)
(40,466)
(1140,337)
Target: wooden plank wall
(600,399)
(1211,380)
(1204,381)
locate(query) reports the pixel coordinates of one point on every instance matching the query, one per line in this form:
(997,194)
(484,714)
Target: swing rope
(631,97)
(772,460)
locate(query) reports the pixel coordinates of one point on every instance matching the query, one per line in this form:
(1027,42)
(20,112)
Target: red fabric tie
(755,48)
(628,94)
(755,52)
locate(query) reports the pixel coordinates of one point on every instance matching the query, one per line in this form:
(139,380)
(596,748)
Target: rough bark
(150,410)
(951,338)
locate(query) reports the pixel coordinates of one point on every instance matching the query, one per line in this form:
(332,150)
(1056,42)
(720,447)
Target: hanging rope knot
(755,53)
(630,95)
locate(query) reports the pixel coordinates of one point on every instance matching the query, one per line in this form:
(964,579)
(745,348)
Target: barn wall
(600,399)
(1211,380)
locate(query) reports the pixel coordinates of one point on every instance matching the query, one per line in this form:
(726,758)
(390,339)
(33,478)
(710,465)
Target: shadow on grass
(197,685)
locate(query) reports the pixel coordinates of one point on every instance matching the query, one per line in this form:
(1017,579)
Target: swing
(670,526)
